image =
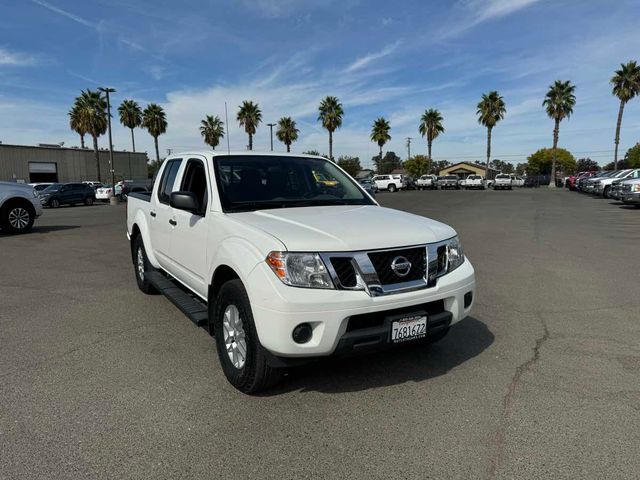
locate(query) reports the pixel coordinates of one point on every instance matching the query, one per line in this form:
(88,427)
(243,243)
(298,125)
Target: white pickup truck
(19,207)
(283,268)
(474,181)
(427,181)
(503,181)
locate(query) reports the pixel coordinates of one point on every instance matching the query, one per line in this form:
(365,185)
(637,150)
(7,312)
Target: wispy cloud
(17,59)
(65,13)
(372,57)
(484,10)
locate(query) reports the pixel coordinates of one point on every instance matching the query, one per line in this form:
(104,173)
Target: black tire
(17,217)
(54,203)
(255,374)
(88,201)
(439,335)
(141,266)
(392,187)
(605,192)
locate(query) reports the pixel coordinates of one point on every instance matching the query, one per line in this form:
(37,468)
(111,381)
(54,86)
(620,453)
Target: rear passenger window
(168,179)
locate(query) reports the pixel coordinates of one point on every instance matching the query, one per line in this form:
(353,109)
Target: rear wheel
(142,266)
(392,188)
(243,359)
(88,201)
(17,217)
(54,203)
(605,193)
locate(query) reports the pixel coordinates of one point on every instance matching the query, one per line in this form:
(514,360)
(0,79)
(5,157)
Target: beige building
(464,169)
(52,163)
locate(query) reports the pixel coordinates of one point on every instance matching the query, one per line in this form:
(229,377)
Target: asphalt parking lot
(100,381)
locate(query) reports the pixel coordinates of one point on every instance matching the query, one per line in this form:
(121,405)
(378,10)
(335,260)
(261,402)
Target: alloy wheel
(140,264)
(234,336)
(19,218)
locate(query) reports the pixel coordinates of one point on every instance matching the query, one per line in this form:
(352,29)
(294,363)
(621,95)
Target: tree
(212,130)
(287,132)
(387,164)
(249,117)
(626,85)
(490,110)
(558,102)
(330,114)
(93,113)
(632,157)
(542,161)
(380,133)
(155,121)
(152,167)
(586,165)
(312,152)
(351,165)
(503,167)
(417,166)
(131,117)
(76,122)
(521,168)
(430,127)
(438,165)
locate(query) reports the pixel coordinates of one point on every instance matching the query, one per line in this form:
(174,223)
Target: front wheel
(17,218)
(88,201)
(242,357)
(142,266)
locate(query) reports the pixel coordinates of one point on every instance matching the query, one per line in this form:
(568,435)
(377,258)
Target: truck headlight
(300,269)
(455,255)
(635,187)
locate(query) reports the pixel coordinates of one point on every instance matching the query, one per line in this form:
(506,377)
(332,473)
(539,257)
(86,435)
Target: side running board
(187,304)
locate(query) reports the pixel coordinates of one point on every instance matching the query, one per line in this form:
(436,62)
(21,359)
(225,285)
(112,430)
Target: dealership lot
(101,381)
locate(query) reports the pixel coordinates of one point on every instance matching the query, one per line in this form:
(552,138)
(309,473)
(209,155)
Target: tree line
(88,116)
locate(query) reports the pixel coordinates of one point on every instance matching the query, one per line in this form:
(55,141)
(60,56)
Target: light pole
(271,125)
(107,90)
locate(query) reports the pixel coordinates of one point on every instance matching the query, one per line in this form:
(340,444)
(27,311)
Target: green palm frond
(212,130)
(491,109)
(287,132)
(560,100)
(431,124)
(380,131)
(154,120)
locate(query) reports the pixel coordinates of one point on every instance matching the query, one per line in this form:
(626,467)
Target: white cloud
(17,59)
(65,13)
(484,10)
(371,57)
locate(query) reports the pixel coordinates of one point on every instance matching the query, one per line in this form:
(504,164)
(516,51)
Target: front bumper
(278,309)
(630,198)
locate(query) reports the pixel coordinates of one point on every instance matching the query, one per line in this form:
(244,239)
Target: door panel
(161,229)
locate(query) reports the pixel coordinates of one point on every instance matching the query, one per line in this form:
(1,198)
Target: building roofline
(73,149)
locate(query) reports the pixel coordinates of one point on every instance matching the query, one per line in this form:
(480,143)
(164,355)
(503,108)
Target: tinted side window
(168,179)
(194,180)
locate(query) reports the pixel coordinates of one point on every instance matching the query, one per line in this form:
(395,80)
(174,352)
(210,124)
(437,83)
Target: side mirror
(185,201)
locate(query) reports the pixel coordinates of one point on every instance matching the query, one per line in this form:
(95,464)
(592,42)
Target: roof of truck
(225,153)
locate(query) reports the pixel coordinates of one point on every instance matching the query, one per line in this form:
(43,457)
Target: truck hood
(345,228)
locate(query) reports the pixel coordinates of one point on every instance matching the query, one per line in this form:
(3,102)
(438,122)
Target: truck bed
(144,196)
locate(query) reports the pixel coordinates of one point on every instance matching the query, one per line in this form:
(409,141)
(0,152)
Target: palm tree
(559,102)
(430,127)
(130,117)
(330,114)
(212,130)
(76,122)
(380,133)
(249,116)
(287,132)
(491,109)
(155,121)
(626,85)
(92,109)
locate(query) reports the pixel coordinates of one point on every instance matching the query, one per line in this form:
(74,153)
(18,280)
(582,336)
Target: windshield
(261,182)
(451,177)
(53,188)
(473,177)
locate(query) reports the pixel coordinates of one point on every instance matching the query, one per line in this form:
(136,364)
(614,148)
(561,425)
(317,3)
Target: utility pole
(271,125)
(113,200)
(409,147)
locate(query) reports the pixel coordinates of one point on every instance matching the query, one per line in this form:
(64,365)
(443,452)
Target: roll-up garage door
(43,172)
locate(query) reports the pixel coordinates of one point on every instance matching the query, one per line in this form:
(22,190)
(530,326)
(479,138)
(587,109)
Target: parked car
(449,182)
(409,183)
(427,181)
(392,183)
(369,186)
(67,194)
(19,207)
(630,192)
(281,272)
(586,185)
(602,186)
(105,192)
(95,185)
(517,181)
(474,182)
(502,182)
(38,187)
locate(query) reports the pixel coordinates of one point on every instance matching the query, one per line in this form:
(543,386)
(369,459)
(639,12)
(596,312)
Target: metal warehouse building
(53,163)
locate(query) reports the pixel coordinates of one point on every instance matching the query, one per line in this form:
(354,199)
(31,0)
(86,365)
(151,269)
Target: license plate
(409,328)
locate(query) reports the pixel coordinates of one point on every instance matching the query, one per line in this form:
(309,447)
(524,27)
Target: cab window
(168,179)
(194,180)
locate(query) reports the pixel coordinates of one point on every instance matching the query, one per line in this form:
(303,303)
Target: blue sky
(381,58)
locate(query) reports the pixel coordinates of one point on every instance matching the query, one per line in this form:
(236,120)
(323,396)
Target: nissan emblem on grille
(401,266)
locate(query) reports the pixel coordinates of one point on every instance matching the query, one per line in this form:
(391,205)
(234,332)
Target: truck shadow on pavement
(411,363)
(41,229)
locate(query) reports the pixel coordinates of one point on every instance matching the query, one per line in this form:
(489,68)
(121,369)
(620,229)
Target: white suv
(19,207)
(392,183)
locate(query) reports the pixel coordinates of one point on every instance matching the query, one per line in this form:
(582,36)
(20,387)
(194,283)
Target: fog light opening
(302,333)
(468,298)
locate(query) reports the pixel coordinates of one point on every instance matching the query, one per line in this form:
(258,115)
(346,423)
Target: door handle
(173,222)
(153,214)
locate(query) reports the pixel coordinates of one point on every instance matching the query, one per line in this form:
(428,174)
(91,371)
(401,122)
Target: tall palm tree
(76,122)
(490,110)
(380,133)
(93,112)
(131,117)
(626,85)
(558,102)
(287,132)
(430,127)
(249,116)
(330,114)
(212,130)
(155,121)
